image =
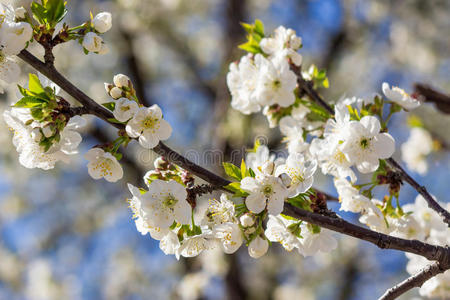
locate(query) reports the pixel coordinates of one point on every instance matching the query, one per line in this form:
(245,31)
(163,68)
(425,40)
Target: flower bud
(121,80)
(108,87)
(36,134)
(258,247)
(47,131)
(247,220)
(102,22)
(20,12)
(115,92)
(92,42)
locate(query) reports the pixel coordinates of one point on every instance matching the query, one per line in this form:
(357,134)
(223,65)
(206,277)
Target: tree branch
(415,280)
(307,88)
(334,223)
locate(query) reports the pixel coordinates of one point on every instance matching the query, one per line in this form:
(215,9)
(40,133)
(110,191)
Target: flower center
(276,84)
(149,122)
(267,190)
(125,108)
(364,143)
(170,201)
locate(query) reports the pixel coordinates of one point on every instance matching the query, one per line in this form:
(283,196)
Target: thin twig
(415,280)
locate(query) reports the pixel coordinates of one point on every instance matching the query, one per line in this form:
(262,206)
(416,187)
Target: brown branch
(307,88)
(333,222)
(441,100)
(415,280)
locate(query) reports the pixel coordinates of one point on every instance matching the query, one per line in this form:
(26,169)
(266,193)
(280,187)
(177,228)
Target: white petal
(256,202)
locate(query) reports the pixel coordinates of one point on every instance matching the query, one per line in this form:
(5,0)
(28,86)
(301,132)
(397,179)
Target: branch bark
(305,87)
(415,280)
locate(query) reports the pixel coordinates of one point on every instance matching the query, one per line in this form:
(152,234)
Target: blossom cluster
(164,212)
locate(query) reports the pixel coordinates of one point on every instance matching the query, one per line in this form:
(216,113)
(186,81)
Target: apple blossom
(282,45)
(264,189)
(230,236)
(92,42)
(241,80)
(400,97)
(284,231)
(300,173)
(276,82)
(125,109)
(149,126)
(164,203)
(364,145)
(103,165)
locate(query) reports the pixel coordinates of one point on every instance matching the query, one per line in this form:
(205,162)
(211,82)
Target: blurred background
(66,236)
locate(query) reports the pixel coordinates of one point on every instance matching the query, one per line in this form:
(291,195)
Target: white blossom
(282,230)
(102,22)
(299,171)
(315,242)
(230,236)
(258,247)
(164,203)
(264,189)
(292,129)
(400,97)
(31,154)
(13,38)
(242,80)
(350,198)
(284,44)
(220,211)
(276,82)
(103,165)
(364,145)
(416,149)
(194,245)
(148,124)
(125,109)
(92,42)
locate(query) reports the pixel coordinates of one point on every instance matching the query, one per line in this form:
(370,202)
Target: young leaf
(29,102)
(232,171)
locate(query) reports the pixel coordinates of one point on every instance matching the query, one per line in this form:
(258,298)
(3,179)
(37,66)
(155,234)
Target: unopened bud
(36,134)
(115,92)
(47,131)
(121,80)
(258,247)
(20,12)
(247,220)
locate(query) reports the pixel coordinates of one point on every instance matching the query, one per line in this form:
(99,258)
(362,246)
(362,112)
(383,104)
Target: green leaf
(252,173)
(259,27)
(232,171)
(37,114)
(29,102)
(244,172)
(34,84)
(39,12)
(110,105)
